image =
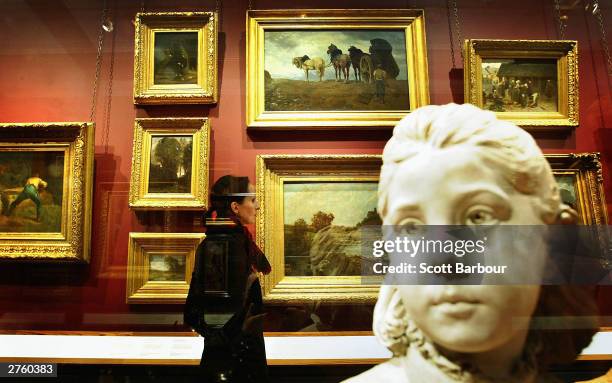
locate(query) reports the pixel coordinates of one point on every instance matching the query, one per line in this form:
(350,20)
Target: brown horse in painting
(340,61)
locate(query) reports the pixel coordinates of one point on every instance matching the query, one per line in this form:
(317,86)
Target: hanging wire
(560,20)
(604,40)
(450,32)
(250,4)
(94,95)
(142,6)
(109,93)
(458,28)
(218,6)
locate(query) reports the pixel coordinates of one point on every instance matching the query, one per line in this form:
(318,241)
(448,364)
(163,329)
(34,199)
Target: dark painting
(176,58)
(170,168)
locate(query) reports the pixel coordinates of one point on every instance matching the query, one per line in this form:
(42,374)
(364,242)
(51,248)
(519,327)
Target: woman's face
(246,210)
(454,187)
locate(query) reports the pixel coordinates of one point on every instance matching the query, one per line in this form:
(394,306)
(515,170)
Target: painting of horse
(291,57)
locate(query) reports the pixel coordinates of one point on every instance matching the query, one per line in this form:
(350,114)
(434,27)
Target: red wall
(47,66)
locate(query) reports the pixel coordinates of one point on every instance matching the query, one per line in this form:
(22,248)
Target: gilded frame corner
(140,289)
(411,21)
(272,172)
(205,91)
(566,54)
(587,172)
(73,242)
(144,129)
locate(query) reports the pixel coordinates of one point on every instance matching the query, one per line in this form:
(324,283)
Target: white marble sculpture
(460,165)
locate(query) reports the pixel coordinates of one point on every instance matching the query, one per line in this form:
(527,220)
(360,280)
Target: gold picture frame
(179,185)
(274,173)
(175,59)
(47,191)
(534,96)
(580,179)
(160,266)
(404,27)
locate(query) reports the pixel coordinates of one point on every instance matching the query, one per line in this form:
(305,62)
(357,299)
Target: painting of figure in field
(166,267)
(170,167)
(525,85)
(323,223)
(175,58)
(343,70)
(31,191)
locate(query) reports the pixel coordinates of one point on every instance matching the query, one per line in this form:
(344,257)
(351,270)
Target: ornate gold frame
(144,128)
(566,53)
(272,172)
(139,289)
(73,242)
(586,168)
(205,91)
(411,21)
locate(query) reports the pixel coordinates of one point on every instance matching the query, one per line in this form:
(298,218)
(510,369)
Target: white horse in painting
(307,64)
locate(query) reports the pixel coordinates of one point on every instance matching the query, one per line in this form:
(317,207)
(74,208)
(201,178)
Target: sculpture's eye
(480,215)
(410,226)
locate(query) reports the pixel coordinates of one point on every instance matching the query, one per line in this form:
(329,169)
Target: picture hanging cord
(602,31)
(560,21)
(218,6)
(98,61)
(109,90)
(250,4)
(455,11)
(142,6)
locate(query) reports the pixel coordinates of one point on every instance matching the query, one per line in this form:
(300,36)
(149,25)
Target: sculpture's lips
(454,298)
(458,310)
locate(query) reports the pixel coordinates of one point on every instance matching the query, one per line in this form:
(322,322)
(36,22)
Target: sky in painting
(281,47)
(348,201)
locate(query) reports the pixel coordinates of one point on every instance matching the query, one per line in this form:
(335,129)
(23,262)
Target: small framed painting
(170,164)
(533,83)
(175,58)
(160,266)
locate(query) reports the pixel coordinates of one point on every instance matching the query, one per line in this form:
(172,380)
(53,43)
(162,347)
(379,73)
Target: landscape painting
(322,226)
(175,58)
(166,267)
(31,190)
(520,85)
(170,165)
(567,189)
(336,70)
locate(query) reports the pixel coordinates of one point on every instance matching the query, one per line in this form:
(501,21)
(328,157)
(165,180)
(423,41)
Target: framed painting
(170,164)
(532,83)
(580,180)
(175,58)
(313,208)
(160,266)
(46,180)
(333,68)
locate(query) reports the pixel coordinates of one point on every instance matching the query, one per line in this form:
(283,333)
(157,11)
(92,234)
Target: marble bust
(460,165)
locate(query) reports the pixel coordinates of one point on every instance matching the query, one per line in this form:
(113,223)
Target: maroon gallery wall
(47,68)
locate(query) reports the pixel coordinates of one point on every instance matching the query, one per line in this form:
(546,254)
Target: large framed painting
(313,210)
(334,68)
(160,266)
(170,164)
(46,180)
(533,83)
(580,179)
(175,58)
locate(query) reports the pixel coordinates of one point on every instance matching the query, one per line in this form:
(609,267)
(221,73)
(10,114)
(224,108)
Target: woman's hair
(500,144)
(221,196)
(509,149)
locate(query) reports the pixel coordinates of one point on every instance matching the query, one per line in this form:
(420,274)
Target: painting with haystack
(336,70)
(31,191)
